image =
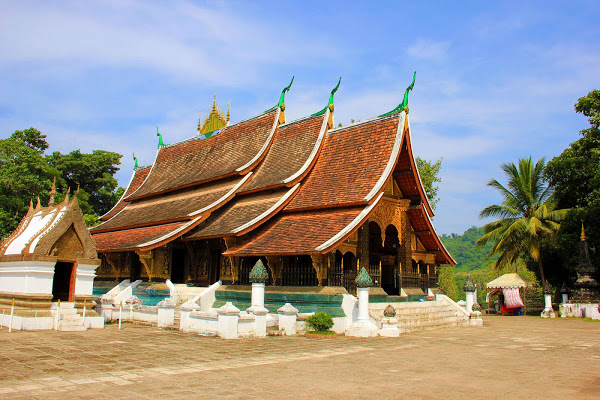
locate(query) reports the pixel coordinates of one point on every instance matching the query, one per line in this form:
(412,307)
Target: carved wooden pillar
(231,273)
(405,248)
(319,262)
(148,262)
(275,265)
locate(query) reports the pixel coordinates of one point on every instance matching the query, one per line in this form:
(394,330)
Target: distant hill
(467,254)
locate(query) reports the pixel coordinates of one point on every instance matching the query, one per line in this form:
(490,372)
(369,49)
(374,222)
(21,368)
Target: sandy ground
(508,358)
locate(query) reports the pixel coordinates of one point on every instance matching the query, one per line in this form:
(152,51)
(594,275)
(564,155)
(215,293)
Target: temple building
(313,201)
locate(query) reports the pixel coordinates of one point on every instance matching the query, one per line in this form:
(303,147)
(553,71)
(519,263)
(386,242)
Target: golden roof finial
(39,204)
(30,206)
(583,238)
(52,193)
(199,122)
(66,200)
(228,115)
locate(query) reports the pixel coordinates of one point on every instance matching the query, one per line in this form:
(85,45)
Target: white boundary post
(120,313)
(2,324)
(12,313)
(84,306)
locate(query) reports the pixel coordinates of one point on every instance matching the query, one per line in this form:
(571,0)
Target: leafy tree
(92,173)
(468,255)
(447,282)
(32,138)
(429,171)
(575,175)
(527,215)
(24,175)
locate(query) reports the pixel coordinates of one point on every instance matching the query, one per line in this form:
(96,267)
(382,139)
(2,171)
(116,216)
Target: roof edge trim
(314,151)
(265,214)
(177,232)
(147,176)
(223,198)
(389,168)
(350,227)
(264,148)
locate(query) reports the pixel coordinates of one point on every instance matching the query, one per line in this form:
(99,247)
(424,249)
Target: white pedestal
(185,310)
(363,327)
(260,320)
(166,313)
(228,321)
(548,311)
(565,298)
(389,327)
(258,295)
(287,319)
(469,299)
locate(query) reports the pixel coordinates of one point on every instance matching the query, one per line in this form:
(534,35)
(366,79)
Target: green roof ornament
(135,161)
(330,105)
(363,279)
(404,105)
(259,273)
(160,139)
(282,97)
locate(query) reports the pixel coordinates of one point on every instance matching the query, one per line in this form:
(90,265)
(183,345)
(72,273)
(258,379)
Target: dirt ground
(508,358)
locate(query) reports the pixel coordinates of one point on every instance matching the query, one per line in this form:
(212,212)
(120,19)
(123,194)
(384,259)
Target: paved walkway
(509,357)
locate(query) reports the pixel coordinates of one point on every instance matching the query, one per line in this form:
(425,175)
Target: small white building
(50,256)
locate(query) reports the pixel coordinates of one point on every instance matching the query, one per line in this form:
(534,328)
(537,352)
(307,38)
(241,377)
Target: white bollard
(12,313)
(287,319)
(228,318)
(363,304)
(469,299)
(548,311)
(120,313)
(565,298)
(2,324)
(84,307)
(258,294)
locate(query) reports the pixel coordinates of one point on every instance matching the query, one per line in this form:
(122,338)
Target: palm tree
(526,215)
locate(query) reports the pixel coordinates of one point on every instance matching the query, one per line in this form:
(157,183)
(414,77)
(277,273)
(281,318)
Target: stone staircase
(69,319)
(418,316)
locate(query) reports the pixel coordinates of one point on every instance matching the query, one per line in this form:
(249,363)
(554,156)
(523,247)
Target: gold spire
(66,200)
(30,206)
(52,193)
(39,204)
(583,238)
(215,119)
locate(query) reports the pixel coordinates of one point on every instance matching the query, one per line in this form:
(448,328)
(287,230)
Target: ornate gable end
(69,237)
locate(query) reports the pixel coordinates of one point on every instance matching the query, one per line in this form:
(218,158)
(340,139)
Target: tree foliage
(468,255)
(447,282)
(429,172)
(575,175)
(26,173)
(526,216)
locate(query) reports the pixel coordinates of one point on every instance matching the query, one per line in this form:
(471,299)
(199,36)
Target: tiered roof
(282,188)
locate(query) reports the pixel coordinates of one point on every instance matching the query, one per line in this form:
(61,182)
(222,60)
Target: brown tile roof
(137,178)
(169,207)
(421,223)
(130,239)
(295,233)
(195,161)
(240,212)
(291,148)
(351,162)
(308,232)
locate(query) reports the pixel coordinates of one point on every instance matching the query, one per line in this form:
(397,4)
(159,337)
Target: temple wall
(27,277)
(84,281)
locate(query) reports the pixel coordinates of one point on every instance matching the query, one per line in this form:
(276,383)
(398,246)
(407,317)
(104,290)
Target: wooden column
(363,245)
(405,248)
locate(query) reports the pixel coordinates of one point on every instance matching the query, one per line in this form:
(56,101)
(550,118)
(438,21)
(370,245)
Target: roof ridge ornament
(404,105)
(583,237)
(330,104)
(281,103)
(160,139)
(135,161)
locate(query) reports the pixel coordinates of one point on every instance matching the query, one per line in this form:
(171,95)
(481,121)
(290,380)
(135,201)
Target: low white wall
(580,310)
(27,323)
(203,323)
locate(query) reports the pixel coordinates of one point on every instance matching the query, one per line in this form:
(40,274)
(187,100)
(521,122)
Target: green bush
(320,321)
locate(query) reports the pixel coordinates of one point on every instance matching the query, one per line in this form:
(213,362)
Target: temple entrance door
(136,267)
(177,266)
(389,261)
(64,282)
(214,272)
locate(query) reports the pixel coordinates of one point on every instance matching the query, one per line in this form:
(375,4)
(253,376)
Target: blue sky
(495,80)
